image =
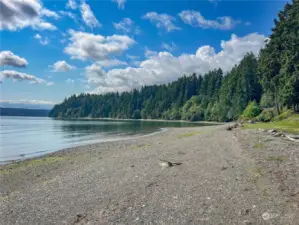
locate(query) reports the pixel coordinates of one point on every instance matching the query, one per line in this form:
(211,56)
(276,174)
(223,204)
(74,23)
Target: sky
(52,49)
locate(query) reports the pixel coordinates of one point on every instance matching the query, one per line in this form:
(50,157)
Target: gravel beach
(221,177)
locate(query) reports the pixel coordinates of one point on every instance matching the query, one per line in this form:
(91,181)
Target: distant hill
(24,112)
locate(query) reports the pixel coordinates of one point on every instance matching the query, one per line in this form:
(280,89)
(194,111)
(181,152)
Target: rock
(232,126)
(224,167)
(267,216)
(251,121)
(261,130)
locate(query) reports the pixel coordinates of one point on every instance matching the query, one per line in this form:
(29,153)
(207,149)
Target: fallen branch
(292,139)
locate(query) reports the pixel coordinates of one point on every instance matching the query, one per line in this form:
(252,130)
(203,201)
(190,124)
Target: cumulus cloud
(169,47)
(164,67)
(195,19)
(88,16)
(18,76)
(126,25)
(42,40)
(7,58)
(94,74)
(120,3)
(85,46)
(18,14)
(62,66)
(163,21)
(72,4)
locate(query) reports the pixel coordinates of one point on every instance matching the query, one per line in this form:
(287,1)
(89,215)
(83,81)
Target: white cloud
(18,14)
(94,74)
(163,21)
(49,13)
(149,53)
(7,58)
(195,19)
(25,103)
(69,14)
(62,66)
(71,4)
(42,40)
(132,57)
(126,25)
(111,63)
(164,67)
(169,47)
(88,16)
(85,46)
(120,3)
(18,76)
(70,81)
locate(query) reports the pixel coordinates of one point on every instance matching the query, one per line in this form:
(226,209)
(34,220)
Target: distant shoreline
(149,120)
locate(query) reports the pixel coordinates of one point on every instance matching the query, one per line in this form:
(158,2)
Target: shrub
(284,115)
(252,110)
(266,115)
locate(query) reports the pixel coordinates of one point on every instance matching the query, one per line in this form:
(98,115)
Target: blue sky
(53,49)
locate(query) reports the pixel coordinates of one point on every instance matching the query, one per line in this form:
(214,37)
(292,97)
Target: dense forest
(24,112)
(262,86)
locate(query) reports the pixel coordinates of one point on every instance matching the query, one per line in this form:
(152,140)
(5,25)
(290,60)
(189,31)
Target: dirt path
(220,181)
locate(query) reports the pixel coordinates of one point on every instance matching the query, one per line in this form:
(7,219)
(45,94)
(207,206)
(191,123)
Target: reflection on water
(23,137)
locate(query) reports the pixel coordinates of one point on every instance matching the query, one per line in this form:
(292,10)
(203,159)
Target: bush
(252,110)
(266,115)
(284,115)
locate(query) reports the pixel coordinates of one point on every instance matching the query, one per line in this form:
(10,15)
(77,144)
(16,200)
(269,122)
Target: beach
(217,177)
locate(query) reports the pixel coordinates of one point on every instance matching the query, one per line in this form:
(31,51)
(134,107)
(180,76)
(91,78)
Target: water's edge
(49,152)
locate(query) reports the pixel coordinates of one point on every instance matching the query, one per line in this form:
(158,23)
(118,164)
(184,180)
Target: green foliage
(136,114)
(279,60)
(286,113)
(266,115)
(290,125)
(251,111)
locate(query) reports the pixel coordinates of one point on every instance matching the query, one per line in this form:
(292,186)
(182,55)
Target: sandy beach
(225,177)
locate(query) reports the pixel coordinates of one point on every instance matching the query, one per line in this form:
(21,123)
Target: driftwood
(292,139)
(165,163)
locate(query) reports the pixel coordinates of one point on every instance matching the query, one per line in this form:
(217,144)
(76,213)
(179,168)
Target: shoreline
(18,161)
(146,120)
(222,176)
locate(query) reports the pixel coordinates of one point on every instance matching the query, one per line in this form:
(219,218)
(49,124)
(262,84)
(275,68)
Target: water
(23,137)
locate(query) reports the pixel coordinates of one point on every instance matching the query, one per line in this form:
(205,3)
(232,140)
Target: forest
(260,87)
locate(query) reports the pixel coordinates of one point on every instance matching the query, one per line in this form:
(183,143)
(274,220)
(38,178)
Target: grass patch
(259,146)
(134,147)
(290,125)
(188,134)
(279,159)
(31,164)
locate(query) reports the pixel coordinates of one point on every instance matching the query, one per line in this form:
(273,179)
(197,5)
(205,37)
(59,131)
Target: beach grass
(290,125)
(31,163)
(188,134)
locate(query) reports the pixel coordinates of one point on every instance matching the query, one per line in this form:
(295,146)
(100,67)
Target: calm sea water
(23,137)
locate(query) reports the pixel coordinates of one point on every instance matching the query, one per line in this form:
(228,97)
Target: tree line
(270,80)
